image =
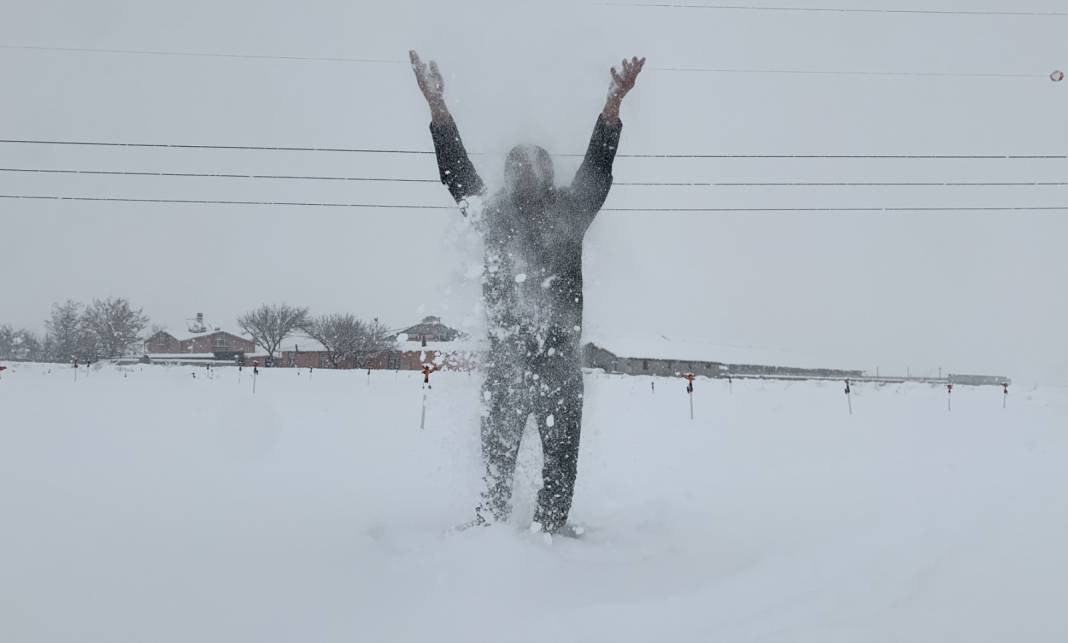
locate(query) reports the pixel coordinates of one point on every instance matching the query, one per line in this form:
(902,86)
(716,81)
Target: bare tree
(66,337)
(114,326)
(374,342)
(270,324)
(341,335)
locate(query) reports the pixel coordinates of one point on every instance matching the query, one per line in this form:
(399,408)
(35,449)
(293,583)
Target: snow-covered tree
(114,326)
(375,341)
(27,346)
(66,337)
(340,335)
(345,337)
(7,341)
(270,324)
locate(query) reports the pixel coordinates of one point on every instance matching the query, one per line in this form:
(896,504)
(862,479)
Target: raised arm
(457,172)
(594,176)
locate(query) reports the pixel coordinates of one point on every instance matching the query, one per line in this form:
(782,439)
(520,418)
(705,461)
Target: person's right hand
(429,79)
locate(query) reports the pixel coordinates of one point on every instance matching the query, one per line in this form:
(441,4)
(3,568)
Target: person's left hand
(623,81)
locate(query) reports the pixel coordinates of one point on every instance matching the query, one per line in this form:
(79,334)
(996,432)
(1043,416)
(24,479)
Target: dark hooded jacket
(533,239)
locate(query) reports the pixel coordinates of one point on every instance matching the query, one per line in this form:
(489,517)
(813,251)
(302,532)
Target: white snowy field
(155,507)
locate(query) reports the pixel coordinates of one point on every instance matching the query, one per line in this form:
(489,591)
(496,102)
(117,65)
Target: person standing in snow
(532,290)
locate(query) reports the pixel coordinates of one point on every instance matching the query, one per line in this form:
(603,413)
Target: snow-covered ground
(149,506)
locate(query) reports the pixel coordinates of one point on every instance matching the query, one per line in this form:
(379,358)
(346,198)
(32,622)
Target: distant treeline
(108,327)
(111,328)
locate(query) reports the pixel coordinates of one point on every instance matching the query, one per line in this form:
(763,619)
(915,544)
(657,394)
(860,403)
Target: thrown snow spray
(849,396)
(422,416)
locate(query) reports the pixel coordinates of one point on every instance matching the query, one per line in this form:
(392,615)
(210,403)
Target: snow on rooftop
(167,356)
(662,347)
(303,343)
(180,332)
(456,346)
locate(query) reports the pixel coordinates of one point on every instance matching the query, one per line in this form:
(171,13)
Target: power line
(936,12)
(390,61)
(732,184)
(198,54)
(218,175)
(845,72)
(53,197)
(1027,208)
(371,179)
(853,156)
(364,150)
(846,183)
(193,146)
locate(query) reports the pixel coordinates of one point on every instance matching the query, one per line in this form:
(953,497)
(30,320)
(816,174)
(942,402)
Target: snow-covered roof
(661,347)
(305,343)
(430,325)
(456,346)
(181,333)
(166,356)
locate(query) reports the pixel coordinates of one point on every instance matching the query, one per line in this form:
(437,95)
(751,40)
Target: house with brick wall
(199,342)
(428,342)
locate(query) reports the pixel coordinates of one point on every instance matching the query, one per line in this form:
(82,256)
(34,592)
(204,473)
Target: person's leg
(505,411)
(559,418)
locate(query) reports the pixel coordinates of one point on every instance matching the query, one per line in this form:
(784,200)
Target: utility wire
(732,184)
(198,54)
(929,12)
(277,148)
(53,197)
(390,61)
(219,175)
(846,72)
(269,148)
(371,179)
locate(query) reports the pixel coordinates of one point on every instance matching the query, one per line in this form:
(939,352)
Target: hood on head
(528,173)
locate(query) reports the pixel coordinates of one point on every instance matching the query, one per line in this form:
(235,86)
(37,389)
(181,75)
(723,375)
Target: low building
(199,340)
(662,357)
(410,349)
(429,330)
(977,380)
(670,359)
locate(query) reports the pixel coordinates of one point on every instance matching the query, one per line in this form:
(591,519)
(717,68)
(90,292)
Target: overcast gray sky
(968,292)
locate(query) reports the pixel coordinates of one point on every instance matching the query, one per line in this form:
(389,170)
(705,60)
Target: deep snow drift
(159,507)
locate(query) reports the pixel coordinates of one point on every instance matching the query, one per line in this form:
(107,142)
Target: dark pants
(521,379)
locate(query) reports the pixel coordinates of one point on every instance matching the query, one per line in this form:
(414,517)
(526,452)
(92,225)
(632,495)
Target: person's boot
(565,530)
